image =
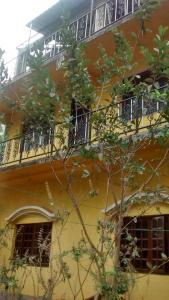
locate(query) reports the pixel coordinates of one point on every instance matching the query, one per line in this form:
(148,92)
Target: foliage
(76,74)
(39,92)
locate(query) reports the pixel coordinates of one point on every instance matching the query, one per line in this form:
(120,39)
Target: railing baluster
(126,7)
(142,112)
(86,25)
(118,110)
(116,2)
(104,22)
(131,112)
(133,6)
(77,29)
(157,105)
(91,17)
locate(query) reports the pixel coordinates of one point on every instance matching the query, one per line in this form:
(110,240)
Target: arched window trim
(138,199)
(30,209)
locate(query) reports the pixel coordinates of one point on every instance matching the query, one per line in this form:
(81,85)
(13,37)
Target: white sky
(14,15)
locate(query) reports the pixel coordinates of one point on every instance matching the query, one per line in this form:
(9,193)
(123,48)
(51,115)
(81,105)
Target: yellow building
(33,180)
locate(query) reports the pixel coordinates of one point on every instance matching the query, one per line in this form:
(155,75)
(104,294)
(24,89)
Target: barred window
(79,131)
(33,243)
(36,137)
(133,107)
(151,237)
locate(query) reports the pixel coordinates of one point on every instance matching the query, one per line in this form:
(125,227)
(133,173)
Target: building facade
(33,181)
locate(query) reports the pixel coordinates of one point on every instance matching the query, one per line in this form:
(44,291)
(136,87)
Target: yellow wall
(30,190)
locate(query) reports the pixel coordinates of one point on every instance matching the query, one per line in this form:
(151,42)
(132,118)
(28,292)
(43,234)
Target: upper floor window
(33,242)
(135,107)
(79,129)
(151,239)
(38,131)
(36,137)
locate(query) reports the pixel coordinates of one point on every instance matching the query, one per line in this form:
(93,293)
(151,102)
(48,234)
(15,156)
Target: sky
(14,15)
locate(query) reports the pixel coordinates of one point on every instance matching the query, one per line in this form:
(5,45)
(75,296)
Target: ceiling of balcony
(49,21)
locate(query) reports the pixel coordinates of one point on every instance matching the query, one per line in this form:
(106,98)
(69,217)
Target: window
(151,235)
(79,130)
(38,131)
(33,242)
(133,107)
(35,138)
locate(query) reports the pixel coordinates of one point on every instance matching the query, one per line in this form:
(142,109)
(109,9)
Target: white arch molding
(138,198)
(30,209)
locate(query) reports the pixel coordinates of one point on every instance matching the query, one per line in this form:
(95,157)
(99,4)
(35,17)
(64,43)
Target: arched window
(33,240)
(33,243)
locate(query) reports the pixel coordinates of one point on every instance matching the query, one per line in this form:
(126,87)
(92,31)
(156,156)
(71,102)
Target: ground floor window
(33,242)
(149,236)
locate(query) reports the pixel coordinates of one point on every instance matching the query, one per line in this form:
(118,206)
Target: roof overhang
(49,20)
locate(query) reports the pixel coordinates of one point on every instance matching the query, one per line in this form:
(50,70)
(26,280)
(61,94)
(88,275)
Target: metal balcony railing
(132,108)
(112,11)
(49,142)
(85,26)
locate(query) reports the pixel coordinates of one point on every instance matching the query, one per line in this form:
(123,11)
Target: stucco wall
(30,190)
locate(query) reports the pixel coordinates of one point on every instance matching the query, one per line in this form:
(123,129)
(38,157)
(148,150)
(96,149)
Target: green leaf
(86,173)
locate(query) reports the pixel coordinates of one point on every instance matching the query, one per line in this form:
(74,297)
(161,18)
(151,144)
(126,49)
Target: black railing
(80,130)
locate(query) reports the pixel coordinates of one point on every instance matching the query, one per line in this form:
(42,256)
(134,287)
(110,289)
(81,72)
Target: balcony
(88,25)
(132,116)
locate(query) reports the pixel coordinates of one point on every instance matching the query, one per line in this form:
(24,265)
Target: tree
(115,149)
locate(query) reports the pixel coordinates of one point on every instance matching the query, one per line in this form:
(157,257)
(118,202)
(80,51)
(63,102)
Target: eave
(49,20)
